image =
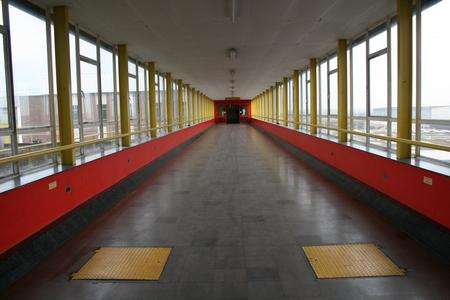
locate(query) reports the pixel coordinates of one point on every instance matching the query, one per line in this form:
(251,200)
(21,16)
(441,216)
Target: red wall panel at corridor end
(400,181)
(28,209)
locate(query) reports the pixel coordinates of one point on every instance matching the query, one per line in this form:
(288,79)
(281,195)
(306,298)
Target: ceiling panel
(190,38)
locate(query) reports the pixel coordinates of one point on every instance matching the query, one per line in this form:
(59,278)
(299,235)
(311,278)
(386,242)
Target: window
(5,107)
(435,87)
(133,98)
(143,99)
(31,85)
(323,95)
(109,98)
(175,102)
(378,98)
(290,101)
(304,82)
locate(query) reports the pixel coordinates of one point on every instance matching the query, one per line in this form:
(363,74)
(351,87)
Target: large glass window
(31,84)
(143,99)
(175,102)
(435,87)
(5,130)
(133,98)
(109,99)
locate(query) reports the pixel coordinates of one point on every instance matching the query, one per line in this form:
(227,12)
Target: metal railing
(33,154)
(371,135)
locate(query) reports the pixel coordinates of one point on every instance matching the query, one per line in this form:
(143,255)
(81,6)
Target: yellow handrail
(376,136)
(28,155)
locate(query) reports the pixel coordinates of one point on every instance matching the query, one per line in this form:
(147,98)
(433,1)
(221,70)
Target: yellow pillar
(203,106)
(187,117)
(123,93)
(265,104)
(62,59)
(152,96)
(285,101)
(277,102)
(296,99)
(194,108)
(313,93)
(404,110)
(180,103)
(271,110)
(191,105)
(342,89)
(169,102)
(197,106)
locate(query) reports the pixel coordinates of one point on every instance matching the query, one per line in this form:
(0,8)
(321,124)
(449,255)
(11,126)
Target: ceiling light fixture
(232,53)
(233,14)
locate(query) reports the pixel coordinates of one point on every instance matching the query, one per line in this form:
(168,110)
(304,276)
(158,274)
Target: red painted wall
(400,181)
(217,103)
(31,207)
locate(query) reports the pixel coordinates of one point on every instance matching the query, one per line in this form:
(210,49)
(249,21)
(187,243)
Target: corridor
(236,208)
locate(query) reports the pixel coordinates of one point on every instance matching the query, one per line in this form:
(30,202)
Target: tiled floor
(236,208)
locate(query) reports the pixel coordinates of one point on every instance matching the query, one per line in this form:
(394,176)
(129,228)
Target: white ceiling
(189,38)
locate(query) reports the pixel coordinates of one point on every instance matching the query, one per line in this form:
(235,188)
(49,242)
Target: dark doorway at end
(233,114)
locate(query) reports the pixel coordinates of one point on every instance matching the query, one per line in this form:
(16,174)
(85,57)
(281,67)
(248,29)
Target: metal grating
(111,263)
(350,260)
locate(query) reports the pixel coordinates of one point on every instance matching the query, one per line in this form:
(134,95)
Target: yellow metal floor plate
(350,260)
(111,263)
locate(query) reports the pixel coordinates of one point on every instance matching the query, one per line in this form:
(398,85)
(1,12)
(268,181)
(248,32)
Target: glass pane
(394,67)
(359,125)
(435,62)
(438,134)
(143,102)
(131,68)
(5,151)
(323,89)
(333,94)
(333,63)
(1,13)
(378,42)
(359,79)
(133,105)
(73,80)
(106,62)
(378,86)
(30,74)
(87,48)
(175,102)
(380,128)
(4,122)
(89,92)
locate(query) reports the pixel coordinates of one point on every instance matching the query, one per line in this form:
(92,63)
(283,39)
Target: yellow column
(313,93)
(62,59)
(295,99)
(180,103)
(266,106)
(191,106)
(169,102)
(277,102)
(203,106)
(194,108)
(123,93)
(152,96)
(187,117)
(404,112)
(271,110)
(197,106)
(342,89)
(285,101)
